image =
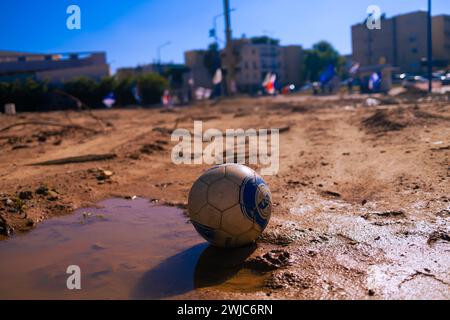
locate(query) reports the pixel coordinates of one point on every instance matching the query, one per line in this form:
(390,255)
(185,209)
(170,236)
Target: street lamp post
(215,26)
(158,53)
(430,49)
(214,29)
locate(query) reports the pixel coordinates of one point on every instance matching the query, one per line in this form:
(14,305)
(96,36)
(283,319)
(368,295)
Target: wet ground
(361,202)
(125,249)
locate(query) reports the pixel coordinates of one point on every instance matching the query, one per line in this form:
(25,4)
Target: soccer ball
(230,205)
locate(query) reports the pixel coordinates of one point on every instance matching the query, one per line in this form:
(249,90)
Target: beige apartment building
(253,62)
(441,38)
(402,42)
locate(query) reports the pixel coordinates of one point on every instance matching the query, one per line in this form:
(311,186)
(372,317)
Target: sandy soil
(361,200)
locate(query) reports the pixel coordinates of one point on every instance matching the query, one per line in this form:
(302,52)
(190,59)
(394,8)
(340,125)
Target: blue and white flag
(327,74)
(375,81)
(109,100)
(354,69)
(136,93)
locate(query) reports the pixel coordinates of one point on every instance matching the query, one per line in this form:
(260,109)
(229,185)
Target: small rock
(30,223)
(438,235)
(104,174)
(52,195)
(98,246)
(5,229)
(331,193)
(42,190)
(86,215)
(25,195)
(42,138)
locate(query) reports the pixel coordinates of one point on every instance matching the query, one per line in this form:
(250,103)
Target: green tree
(84,89)
(123,91)
(211,61)
(151,86)
(264,40)
(316,59)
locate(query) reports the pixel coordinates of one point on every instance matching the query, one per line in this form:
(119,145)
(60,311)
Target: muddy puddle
(126,249)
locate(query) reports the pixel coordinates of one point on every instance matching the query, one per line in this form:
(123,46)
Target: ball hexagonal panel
(237,173)
(223,194)
(208,216)
(235,222)
(198,197)
(247,237)
(223,239)
(213,174)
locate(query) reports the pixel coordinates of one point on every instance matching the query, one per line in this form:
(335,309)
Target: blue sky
(130,31)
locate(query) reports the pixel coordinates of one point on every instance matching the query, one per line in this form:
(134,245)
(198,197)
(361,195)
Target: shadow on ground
(197,267)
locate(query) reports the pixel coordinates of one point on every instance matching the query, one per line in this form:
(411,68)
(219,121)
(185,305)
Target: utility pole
(430,49)
(228,48)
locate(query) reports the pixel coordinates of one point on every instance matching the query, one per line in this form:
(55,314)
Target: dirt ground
(361,200)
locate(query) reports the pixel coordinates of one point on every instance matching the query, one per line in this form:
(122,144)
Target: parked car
(412,80)
(445,79)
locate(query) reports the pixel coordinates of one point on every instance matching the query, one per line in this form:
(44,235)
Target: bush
(31,95)
(151,87)
(27,95)
(123,91)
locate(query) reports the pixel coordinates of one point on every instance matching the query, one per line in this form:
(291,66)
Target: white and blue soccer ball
(230,205)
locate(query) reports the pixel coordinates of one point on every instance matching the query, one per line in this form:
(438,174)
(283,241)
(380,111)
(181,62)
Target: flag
(136,93)
(109,100)
(269,83)
(166,98)
(375,81)
(217,79)
(354,69)
(327,75)
(202,93)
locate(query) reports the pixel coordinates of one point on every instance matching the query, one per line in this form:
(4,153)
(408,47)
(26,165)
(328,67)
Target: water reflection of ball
(230,205)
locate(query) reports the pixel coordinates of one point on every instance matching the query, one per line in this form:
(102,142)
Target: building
(54,67)
(291,63)
(256,57)
(441,40)
(402,42)
(194,60)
